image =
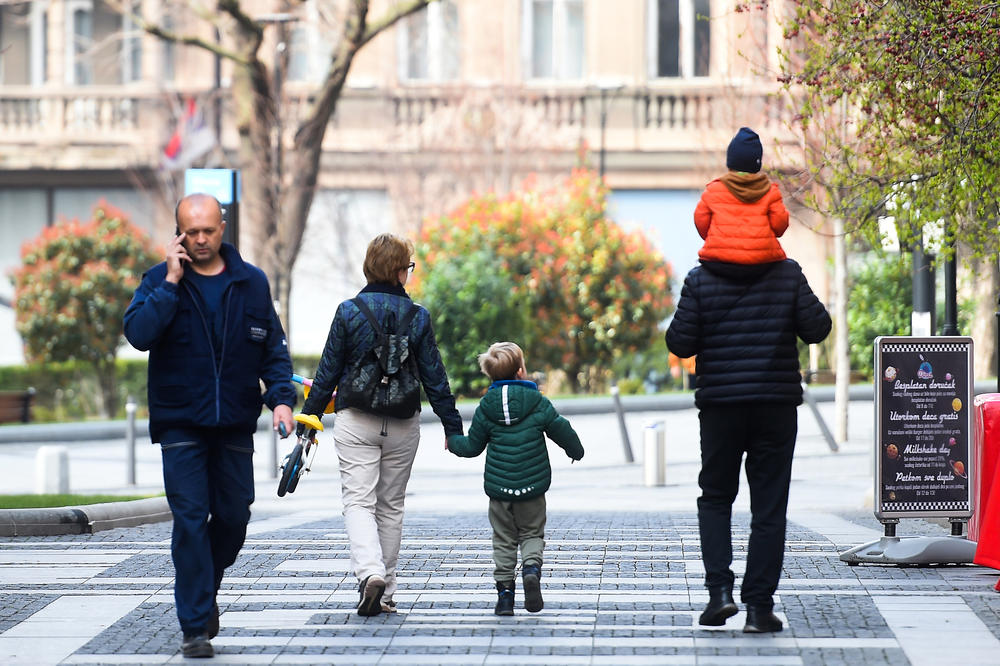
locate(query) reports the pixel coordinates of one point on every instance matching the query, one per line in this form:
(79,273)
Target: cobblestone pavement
(622,577)
(620,587)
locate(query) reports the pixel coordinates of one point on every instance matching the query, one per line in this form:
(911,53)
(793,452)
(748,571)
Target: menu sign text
(923,394)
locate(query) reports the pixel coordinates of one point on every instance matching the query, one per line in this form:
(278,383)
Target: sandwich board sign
(923,440)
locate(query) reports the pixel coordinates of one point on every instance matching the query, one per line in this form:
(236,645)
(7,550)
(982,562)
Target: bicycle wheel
(293,482)
(290,472)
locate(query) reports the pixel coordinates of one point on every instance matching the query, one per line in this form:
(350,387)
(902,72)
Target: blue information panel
(220,183)
(224,185)
(923,414)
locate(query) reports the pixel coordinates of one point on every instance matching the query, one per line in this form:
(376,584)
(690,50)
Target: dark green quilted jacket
(511,423)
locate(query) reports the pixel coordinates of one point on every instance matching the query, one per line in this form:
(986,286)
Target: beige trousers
(374,471)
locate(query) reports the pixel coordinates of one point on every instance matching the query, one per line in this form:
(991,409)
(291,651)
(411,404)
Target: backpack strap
(404,323)
(366,311)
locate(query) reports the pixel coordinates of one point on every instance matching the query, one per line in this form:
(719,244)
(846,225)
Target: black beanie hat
(744,151)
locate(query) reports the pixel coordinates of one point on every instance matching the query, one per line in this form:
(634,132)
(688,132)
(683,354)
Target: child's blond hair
(501,361)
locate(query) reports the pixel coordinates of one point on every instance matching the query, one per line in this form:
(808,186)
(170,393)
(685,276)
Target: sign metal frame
(918,384)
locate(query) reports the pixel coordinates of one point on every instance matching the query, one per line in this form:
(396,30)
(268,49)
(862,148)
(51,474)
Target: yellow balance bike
(299,461)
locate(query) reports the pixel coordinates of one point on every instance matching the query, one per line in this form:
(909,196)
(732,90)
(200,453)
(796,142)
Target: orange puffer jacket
(741,216)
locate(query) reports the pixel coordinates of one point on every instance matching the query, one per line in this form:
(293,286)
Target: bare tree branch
(158,30)
(245,21)
(398,12)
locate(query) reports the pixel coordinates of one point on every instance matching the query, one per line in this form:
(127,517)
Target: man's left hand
(283,414)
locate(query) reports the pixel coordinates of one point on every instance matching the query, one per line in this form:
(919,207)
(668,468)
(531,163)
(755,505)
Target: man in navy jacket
(743,322)
(207,319)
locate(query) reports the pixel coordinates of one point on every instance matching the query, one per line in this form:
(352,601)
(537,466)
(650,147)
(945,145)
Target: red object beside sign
(984,525)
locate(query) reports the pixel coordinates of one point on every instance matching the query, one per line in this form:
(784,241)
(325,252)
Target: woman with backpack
(380,350)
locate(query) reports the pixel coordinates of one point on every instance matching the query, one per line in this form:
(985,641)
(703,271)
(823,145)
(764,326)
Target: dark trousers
(766,434)
(208,476)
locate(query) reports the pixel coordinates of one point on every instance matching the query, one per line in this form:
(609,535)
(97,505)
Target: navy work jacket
(191,383)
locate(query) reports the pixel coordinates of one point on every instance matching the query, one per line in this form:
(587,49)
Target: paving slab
(622,578)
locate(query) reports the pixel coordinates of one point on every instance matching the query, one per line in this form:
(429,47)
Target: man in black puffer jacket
(742,321)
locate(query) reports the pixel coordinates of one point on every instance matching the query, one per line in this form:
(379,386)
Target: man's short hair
(197,197)
(501,361)
(387,255)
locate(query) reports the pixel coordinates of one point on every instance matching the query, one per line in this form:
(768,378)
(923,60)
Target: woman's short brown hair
(387,255)
(501,361)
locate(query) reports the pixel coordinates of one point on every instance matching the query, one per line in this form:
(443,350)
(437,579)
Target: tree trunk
(841,349)
(107,382)
(286,223)
(984,323)
(275,208)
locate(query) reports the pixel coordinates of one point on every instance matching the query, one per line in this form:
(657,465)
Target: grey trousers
(516,524)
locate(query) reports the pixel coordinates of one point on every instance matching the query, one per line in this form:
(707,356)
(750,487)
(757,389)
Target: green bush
(880,303)
(65,391)
(472,306)
(71,290)
(594,290)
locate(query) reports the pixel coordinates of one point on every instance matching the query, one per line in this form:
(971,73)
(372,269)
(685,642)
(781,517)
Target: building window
(429,43)
(553,44)
(169,52)
(309,44)
(680,38)
(131,47)
(83,37)
(102,46)
(15,44)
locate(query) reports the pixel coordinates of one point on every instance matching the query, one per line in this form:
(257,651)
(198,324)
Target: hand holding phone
(176,256)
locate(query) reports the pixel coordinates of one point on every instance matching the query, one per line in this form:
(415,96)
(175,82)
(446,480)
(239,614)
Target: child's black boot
(531,576)
(505,599)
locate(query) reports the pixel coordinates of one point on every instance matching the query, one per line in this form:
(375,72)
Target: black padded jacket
(351,336)
(743,322)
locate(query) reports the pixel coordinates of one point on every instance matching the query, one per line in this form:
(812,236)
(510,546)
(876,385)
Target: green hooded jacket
(511,423)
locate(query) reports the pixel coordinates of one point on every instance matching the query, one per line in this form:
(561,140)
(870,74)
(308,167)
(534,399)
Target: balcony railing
(672,116)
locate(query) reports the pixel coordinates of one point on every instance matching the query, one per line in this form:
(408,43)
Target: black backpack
(385,380)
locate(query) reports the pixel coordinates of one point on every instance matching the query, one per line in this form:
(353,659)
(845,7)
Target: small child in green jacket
(511,423)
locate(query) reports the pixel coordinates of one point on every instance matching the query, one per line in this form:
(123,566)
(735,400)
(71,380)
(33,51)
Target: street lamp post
(281,20)
(950,326)
(606,90)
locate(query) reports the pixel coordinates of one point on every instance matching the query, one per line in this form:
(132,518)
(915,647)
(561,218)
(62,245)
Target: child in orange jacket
(741,215)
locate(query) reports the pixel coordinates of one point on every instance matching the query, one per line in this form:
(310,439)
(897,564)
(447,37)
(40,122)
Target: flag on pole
(191,139)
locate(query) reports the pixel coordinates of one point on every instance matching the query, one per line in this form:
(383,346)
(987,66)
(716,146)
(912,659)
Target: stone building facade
(467,95)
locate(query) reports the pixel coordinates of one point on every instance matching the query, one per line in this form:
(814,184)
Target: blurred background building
(465,96)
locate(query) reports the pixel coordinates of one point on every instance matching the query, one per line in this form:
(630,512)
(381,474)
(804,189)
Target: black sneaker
(212,626)
(197,646)
(505,599)
(372,588)
(530,577)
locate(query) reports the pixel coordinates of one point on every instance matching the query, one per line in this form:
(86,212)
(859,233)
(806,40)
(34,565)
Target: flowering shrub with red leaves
(592,289)
(72,288)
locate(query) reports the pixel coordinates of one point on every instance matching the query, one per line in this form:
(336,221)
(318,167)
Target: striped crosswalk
(619,588)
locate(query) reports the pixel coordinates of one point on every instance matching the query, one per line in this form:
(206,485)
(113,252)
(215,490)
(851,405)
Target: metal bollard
(130,440)
(626,444)
(52,470)
(274,453)
(655,454)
